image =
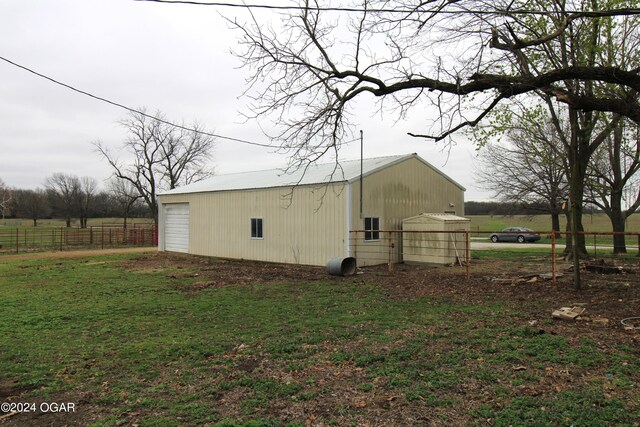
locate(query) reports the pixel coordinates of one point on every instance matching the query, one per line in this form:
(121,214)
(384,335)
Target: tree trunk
(568,248)
(581,248)
(578,161)
(555,224)
(154,213)
(35,222)
(617,224)
(68,220)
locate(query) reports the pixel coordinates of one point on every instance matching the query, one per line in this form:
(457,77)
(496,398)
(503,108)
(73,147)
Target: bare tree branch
(163,156)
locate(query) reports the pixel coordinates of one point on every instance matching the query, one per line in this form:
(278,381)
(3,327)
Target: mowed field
(542,223)
(19,235)
(166,340)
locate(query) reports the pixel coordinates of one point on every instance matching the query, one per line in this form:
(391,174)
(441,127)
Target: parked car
(515,234)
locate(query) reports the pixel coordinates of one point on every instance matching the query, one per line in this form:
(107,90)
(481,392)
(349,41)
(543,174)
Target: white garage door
(176,227)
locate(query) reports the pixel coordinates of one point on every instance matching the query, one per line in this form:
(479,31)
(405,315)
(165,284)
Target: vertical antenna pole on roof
(361,171)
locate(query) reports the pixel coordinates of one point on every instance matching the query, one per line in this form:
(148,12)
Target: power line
(133,110)
(591,14)
(276,7)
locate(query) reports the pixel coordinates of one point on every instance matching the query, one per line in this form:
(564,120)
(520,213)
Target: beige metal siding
(399,191)
(309,229)
(441,245)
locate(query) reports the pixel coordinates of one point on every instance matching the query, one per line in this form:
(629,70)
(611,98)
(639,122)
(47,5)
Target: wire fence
(15,240)
(528,256)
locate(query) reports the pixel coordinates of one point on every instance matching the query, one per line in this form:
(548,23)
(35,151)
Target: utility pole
(361,172)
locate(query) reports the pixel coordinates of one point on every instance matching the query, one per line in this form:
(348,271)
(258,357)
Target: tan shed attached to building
(434,238)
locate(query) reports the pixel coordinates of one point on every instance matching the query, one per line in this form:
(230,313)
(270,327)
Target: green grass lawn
(146,347)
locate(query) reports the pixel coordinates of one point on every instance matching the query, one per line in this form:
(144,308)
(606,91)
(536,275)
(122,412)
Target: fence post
(468,254)
(353,243)
(390,252)
(17,240)
(553,257)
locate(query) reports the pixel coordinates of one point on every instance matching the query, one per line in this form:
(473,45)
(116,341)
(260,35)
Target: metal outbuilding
(434,238)
(304,217)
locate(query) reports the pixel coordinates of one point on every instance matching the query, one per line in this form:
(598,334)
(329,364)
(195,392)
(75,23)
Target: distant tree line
(70,197)
(513,208)
(162,156)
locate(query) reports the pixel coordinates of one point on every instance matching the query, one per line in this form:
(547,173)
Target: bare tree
(125,196)
(528,168)
(612,179)
(185,156)
(32,204)
(64,191)
(87,192)
(6,194)
(308,70)
(163,156)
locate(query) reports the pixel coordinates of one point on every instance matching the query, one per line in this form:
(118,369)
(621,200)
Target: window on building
(256,228)
(372,227)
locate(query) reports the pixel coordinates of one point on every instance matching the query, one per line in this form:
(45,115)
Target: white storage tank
(434,238)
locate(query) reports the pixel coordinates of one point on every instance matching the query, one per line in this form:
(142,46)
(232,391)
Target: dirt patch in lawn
(72,408)
(215,273)
(77,253)
(604,296)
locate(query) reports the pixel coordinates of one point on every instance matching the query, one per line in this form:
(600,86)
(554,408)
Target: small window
(372,227)
(256,228)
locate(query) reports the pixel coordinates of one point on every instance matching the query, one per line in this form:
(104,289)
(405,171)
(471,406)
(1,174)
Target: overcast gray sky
(173,58)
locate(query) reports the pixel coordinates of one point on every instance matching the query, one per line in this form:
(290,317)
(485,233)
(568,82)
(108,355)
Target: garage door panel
(176,227)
